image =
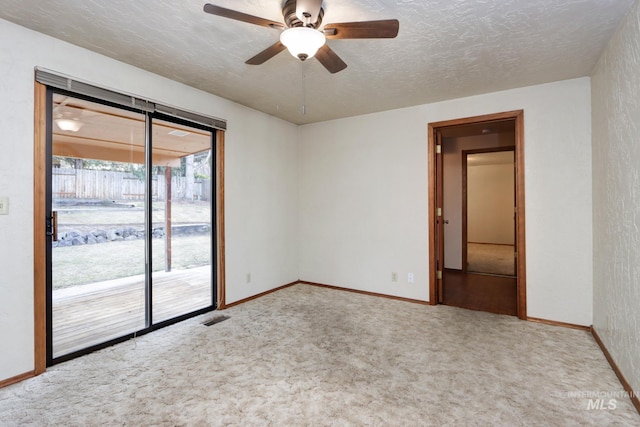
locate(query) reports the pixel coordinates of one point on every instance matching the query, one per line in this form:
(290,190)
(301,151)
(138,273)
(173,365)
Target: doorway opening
(488,209)
(476,213)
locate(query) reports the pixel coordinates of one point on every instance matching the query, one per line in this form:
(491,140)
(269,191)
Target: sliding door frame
(39,229)
(42,165)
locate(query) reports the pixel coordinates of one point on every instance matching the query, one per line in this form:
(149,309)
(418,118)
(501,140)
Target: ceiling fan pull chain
(302,86)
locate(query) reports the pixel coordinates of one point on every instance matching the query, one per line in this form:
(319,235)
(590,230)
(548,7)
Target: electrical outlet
(248,277)
(4,206)
(410,278)
(394,277)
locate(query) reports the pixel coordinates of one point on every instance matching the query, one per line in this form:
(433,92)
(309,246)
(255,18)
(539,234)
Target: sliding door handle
(52,226)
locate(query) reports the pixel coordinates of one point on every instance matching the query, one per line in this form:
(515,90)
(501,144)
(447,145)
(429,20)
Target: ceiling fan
(68,116)
(301,32)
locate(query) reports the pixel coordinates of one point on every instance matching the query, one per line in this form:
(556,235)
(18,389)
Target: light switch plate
(4,206)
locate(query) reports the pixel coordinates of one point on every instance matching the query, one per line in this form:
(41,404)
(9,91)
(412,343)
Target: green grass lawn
(181,213)
(80,265)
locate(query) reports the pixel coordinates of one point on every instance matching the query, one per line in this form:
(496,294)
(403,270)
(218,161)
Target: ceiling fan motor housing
(291,20)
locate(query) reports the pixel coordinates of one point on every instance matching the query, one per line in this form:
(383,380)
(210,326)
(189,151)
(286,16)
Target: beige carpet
(312,356)
(491,259)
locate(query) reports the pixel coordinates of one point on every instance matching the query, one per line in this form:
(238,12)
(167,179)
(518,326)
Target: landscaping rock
(128,233)
(99,233)
(77,241)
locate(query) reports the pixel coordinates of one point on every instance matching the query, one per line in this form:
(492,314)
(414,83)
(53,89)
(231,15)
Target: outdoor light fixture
(72,125)
(302,42)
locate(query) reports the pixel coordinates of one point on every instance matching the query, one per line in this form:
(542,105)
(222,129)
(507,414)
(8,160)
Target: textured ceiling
(445,49)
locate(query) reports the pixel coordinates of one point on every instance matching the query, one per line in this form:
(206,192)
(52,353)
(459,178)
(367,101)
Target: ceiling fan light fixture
(72,125)
(302,42)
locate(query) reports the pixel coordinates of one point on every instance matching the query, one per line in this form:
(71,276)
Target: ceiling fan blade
(330,59)
(239,16)
(385,29)
(267,54)
(307,11)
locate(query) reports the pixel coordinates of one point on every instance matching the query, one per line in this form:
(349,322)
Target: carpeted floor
(313,356)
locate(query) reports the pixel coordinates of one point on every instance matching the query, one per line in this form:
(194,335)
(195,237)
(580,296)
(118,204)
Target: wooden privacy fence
(110,185)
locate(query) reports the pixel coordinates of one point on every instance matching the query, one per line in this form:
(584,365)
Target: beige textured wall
(490,202)
(615,87)
(363,197)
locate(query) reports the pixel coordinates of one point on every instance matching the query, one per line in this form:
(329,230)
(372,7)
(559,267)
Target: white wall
(490,202)
(616,197)
(261,179)
(363,197)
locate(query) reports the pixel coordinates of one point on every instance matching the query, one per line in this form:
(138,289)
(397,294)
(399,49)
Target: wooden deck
(91,314)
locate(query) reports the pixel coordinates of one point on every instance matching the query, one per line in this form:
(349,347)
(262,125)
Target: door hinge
(439,274)
(515,254)
(438,149)
(438,211)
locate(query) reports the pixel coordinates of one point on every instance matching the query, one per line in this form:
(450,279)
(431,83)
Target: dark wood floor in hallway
(494,294)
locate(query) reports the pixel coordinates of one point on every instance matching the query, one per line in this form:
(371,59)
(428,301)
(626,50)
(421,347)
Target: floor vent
(215,320)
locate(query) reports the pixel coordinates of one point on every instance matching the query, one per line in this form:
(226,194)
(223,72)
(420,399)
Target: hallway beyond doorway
(494,294)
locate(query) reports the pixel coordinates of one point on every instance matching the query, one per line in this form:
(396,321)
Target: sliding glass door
(181,220)
(130,219)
